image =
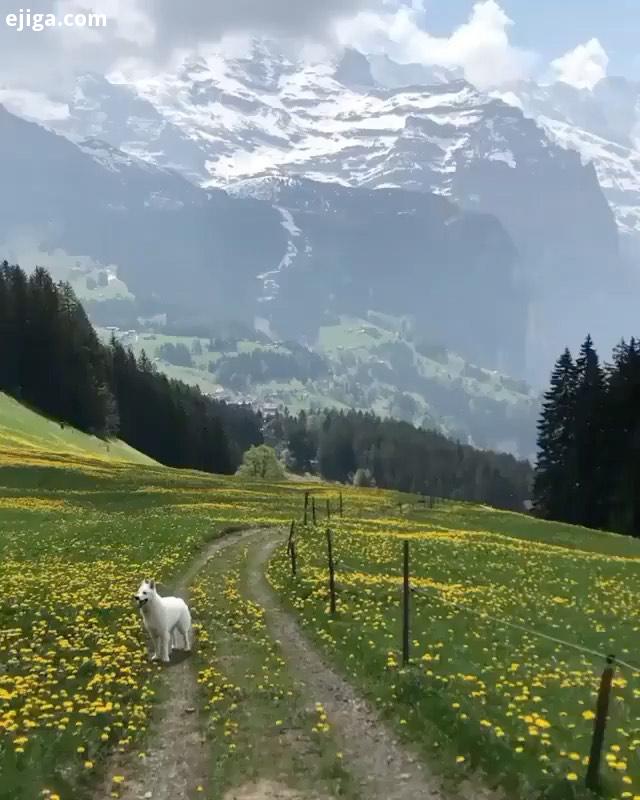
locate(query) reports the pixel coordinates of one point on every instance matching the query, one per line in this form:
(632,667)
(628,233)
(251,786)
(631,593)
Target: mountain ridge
(315,252)
(263,115)
(285,195)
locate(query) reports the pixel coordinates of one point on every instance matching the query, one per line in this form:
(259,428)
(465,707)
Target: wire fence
(531,631)
(338,564)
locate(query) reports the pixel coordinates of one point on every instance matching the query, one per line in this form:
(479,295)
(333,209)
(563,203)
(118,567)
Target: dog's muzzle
(142,602)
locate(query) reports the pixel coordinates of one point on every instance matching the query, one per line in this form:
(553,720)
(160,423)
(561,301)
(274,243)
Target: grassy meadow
(81,524)
(79,528)
(260,724)
(480,695)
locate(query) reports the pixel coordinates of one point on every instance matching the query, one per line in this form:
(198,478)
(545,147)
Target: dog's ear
(152,585)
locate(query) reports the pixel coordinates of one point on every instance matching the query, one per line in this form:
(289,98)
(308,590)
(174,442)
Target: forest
(52,360)
(588,469)
(360,447)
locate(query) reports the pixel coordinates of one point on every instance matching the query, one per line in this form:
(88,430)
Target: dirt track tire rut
(384,769)
(176,754)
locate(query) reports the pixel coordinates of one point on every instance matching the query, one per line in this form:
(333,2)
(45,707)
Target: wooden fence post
(306,506)
(291,547)
(292,529)
(313,509)
(406,592)
(328,508)
(599,726)
(340,503)
(332,574)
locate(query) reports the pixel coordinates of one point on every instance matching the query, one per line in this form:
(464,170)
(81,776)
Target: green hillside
(369,364)
(510,623)
(505,633)
(24,430)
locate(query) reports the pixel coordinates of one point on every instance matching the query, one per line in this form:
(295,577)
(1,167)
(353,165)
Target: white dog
(164,618)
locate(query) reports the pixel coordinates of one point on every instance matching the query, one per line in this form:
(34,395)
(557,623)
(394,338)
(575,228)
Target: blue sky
(552,27)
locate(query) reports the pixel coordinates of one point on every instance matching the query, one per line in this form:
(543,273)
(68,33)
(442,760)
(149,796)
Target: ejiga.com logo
(26,20)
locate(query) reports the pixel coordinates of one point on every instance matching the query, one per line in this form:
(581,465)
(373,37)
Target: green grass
(470,517)
(76,672)
(80,527)
(24,430)
(362,338)
(479,695)
(260,726)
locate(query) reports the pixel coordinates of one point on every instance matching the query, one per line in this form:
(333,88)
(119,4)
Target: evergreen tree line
(52,360)
(240,371)
(358,446)
(588,469)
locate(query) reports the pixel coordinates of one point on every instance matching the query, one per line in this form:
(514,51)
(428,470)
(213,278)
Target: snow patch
(269,280)
(503,155)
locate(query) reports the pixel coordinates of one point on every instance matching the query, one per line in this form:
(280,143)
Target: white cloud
(149,30)
(33,105)
(48,60)
(154,32)
(583,67)
(481,46)
(510,98)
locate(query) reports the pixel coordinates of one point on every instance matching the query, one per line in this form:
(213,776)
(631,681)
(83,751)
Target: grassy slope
(23,429)
(480,694)
(77,532)
(351,347)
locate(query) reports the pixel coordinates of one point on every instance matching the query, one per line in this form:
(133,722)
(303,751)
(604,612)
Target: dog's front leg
(165,646)
(155,644)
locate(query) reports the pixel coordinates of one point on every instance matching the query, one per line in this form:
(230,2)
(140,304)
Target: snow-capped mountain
(291,195)
(268,115)
(224,121)
(371,122)
(602,125)
(144,246)
(227,122)
(299,254)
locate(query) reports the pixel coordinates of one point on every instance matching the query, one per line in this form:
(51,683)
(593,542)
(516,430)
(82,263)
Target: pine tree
(14,364)
(591,496)
(41,386)
(622,426)
(51,357)
(554,493)
(335,452)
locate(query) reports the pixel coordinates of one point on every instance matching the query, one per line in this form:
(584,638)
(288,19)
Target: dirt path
(176,760)
(267,790)
(385,770)
(177,754)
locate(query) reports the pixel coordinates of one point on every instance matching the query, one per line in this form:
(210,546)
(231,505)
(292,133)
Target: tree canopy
(51,358)
(261,463)
(588,468)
